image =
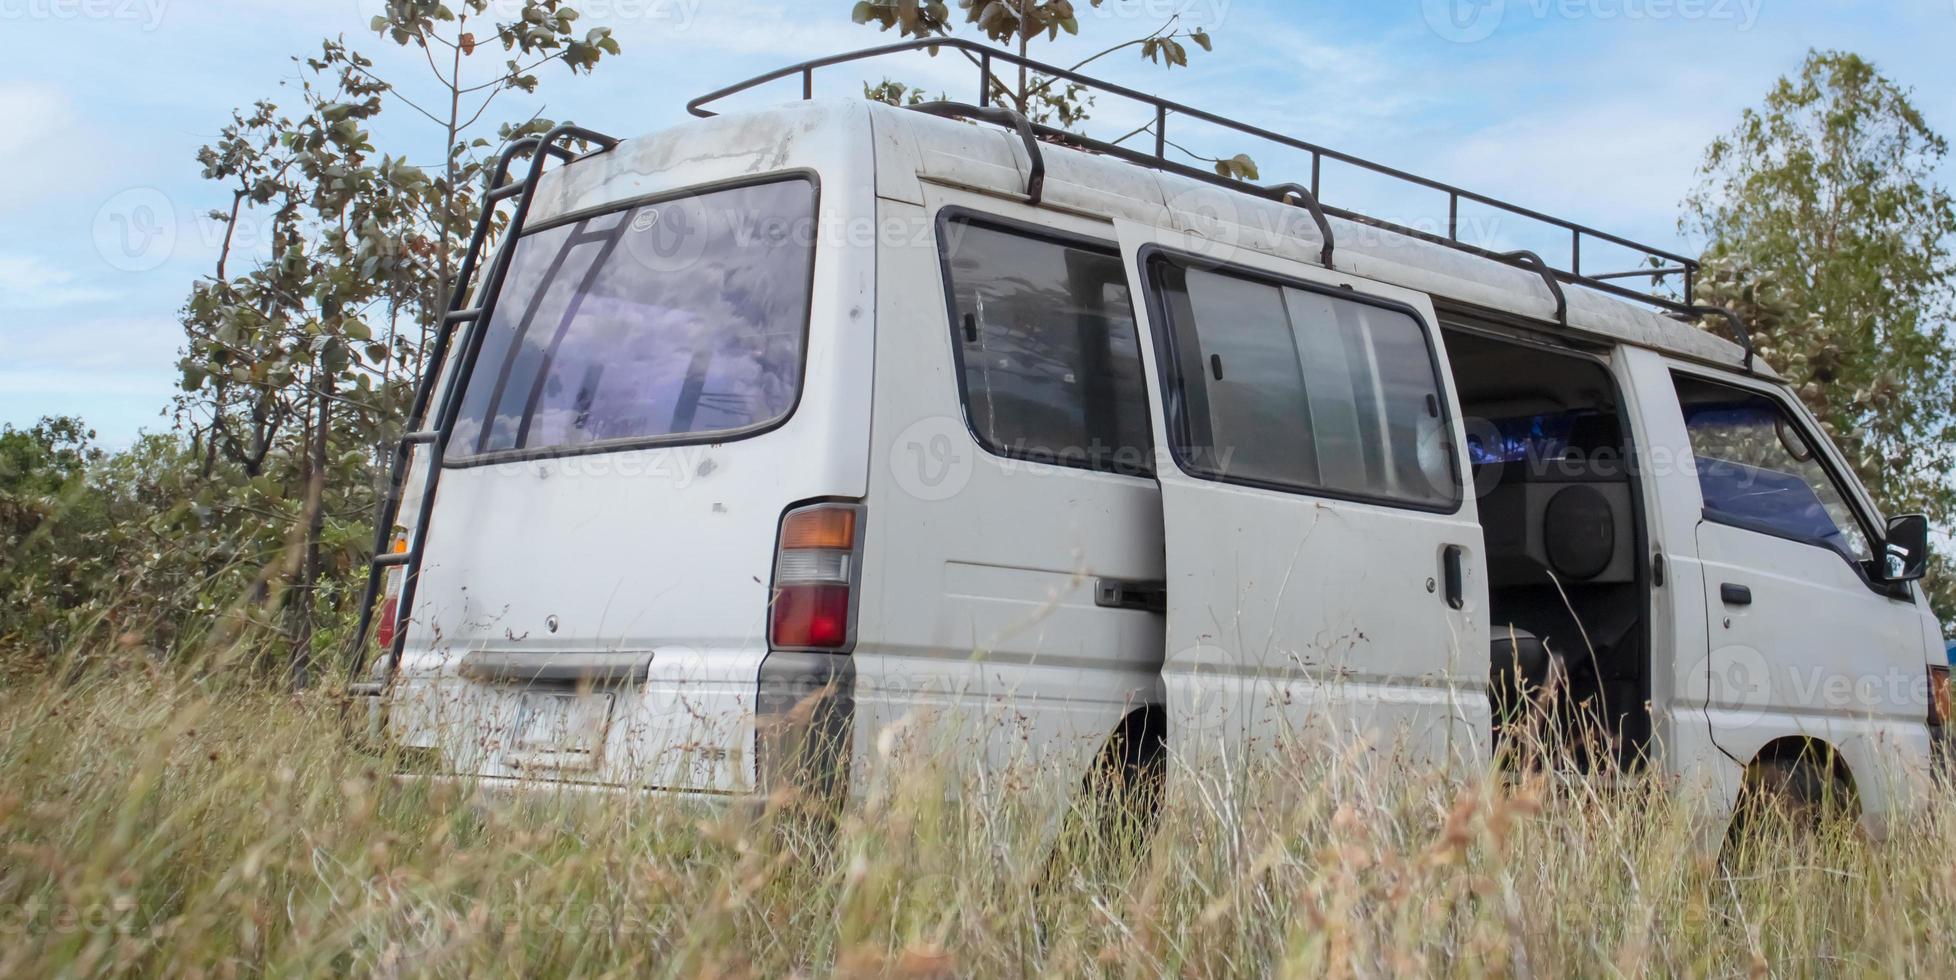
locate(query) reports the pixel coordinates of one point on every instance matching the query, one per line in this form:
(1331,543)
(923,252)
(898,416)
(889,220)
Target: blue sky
(1596,110)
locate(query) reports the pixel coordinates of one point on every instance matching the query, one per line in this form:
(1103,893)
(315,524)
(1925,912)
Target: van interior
(1568,582)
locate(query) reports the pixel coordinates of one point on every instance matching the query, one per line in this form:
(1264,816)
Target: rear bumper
(707,738)
(512,791)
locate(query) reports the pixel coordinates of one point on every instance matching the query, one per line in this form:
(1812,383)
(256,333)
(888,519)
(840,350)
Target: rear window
(669,321)
(1047,343)
(1279,386)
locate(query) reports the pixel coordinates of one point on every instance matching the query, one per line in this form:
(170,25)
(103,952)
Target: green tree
(1827,231)
(297,368)
(43,580)
(1015,25)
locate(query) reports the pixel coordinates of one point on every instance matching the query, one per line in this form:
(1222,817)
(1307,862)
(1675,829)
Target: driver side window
(1760,470)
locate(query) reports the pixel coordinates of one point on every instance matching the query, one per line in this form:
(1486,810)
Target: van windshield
(664,321)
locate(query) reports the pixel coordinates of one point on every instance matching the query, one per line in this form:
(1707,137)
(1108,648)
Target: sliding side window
(1047,347)
(1290,388)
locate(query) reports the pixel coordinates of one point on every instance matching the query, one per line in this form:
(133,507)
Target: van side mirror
(1905,550)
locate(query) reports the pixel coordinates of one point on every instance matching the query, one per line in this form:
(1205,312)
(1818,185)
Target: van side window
(1759,469)
(1280,386)
(1046,341)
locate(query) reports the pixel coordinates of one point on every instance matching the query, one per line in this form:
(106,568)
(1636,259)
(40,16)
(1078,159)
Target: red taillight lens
(1941,696)
(815,577)
(390,600)
(384,626)
(811,616)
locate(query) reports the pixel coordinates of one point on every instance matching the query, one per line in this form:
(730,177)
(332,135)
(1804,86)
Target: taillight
(1941,697)
(815,578)
(390,599)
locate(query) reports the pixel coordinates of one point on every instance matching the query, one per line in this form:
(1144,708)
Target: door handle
(1735,595)
(1453,559)
(1142,596)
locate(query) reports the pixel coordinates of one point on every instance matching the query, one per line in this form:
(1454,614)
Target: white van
(945,418)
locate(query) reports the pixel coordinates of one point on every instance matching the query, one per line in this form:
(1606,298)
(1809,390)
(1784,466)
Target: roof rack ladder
(497,189)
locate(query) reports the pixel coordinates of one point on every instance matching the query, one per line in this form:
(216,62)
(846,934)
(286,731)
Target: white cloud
(47,149)
(1622,162)
(30,282)
(106,348)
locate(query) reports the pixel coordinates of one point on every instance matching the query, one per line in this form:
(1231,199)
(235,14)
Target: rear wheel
(1106,830)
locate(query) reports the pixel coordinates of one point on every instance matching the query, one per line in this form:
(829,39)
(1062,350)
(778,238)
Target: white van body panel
(983,635)
(1296,616)
(663,551)
(1680,728)
(1818,654)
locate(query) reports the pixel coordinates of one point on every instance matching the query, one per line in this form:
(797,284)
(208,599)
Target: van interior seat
(1557,562)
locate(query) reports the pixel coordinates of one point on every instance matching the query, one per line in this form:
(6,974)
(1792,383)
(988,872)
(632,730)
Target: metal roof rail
(1665,263)
(1036,174)
(1284,192)
(1525,257)
(1740,334)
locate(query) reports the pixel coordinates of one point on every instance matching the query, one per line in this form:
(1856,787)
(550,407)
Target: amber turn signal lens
(819,527)
(1941,696)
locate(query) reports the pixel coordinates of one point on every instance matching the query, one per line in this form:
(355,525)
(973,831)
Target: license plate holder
(556,730)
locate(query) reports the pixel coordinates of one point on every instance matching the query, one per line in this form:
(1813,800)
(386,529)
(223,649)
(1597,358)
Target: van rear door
(1325,567)
(656,386)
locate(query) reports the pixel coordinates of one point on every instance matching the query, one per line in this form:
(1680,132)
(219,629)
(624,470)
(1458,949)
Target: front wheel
(1802,796)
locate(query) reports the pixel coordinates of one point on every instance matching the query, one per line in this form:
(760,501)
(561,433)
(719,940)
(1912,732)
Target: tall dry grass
(152,825)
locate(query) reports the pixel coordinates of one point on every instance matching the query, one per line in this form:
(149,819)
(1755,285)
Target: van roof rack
(1664,263)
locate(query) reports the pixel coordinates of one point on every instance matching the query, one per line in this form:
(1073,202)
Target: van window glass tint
(1758,469)
(672,319)
(1298,389)
(1047,343)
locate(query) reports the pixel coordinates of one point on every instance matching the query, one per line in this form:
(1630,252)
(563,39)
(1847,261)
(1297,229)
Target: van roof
(992,160)
(899,151)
